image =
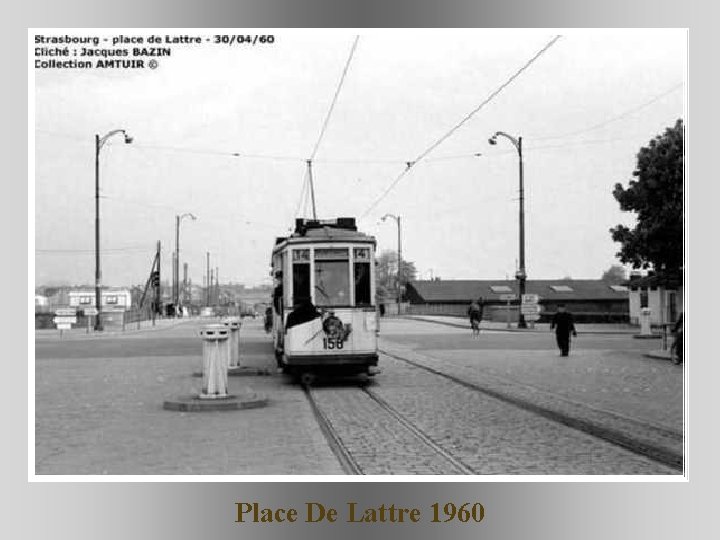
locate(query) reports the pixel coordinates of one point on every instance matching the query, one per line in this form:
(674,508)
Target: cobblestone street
(104,415)
(98,407)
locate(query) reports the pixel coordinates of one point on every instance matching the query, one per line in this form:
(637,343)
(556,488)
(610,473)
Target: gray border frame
(513,510)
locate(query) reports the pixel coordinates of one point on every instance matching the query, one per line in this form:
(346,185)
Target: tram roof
(333,230)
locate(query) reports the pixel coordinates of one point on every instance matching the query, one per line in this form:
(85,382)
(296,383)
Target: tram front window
(332,283)
(332,277)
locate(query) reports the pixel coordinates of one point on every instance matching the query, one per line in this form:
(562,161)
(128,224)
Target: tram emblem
(334,328)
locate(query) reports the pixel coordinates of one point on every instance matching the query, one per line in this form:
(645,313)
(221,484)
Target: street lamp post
(399,255)
(99,143)
(521,274)
(176,270)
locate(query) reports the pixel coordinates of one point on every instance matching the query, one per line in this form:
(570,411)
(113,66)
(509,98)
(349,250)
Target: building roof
(666,280)
(550,289)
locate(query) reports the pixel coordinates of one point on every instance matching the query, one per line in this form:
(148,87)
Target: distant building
(590,300)
(42,303)
(662,293)
(112,299)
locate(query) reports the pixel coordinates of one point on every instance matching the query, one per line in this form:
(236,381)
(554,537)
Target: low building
(113,299)
(590,300)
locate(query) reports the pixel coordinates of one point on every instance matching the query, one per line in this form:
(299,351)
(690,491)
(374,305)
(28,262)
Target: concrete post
(215,361)
(233,324)
(645,321)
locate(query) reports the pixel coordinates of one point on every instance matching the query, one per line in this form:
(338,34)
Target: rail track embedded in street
(656,452)
(345,456)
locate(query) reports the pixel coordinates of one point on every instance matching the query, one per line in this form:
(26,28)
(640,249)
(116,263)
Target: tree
(657,198)
(615,274)
(386,271)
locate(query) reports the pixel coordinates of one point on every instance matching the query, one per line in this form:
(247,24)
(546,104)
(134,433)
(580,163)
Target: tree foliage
(386,272)
(615,274)
(656,196)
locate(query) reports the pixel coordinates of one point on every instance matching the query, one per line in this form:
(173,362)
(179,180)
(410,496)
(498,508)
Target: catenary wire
(610,120)
(334,99)
(462,122)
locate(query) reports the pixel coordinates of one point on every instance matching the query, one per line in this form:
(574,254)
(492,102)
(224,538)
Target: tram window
(362,283)
(301,281)
(332,283)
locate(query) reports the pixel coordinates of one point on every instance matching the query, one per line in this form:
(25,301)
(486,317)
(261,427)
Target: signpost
(507,298)
(64,319)
(530,307)
(89,312)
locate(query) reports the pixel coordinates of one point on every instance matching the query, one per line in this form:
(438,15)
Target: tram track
(345,456)
(338,448)
(626,438)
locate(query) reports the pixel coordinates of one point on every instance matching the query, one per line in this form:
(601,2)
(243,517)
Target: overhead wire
(370,161)
(604,123)
(307,178)
(334,99)
(465,119)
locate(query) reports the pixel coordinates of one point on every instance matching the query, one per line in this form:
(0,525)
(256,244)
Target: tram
(325,316)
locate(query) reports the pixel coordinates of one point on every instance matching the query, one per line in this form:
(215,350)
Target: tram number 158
(332,343)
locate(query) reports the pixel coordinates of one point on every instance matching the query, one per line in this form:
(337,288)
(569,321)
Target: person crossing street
(563,324)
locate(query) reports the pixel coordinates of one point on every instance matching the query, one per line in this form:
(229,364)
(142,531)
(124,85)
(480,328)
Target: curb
(520,331)
(193,403)
(106,333)
(659,355)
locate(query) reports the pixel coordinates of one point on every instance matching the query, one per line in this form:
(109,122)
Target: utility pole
(174,280)
(400,272)
(312,187)
(157,283)
(185,283)
(98,278)
(207,280)
(176,266)
(99,142)
(217,285)
(211,289)
(399,252)
(521,274)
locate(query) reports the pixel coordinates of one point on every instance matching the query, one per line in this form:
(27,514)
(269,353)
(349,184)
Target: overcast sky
(583,108)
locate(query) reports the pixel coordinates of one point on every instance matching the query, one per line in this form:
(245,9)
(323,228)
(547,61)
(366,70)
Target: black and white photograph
(312,254)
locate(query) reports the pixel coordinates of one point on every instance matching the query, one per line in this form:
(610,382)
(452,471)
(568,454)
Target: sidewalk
(462,322)
(130,328)
(659,354)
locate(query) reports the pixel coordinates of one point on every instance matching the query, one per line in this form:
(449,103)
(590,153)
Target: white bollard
(645,322)
(216,353)
(233,324)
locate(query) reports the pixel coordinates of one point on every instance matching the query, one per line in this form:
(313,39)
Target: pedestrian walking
(676,350)
(475,312)
(562,323)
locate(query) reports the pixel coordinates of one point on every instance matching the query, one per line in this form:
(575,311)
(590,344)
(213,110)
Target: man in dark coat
(304,312)
(563,324)
(475,314)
